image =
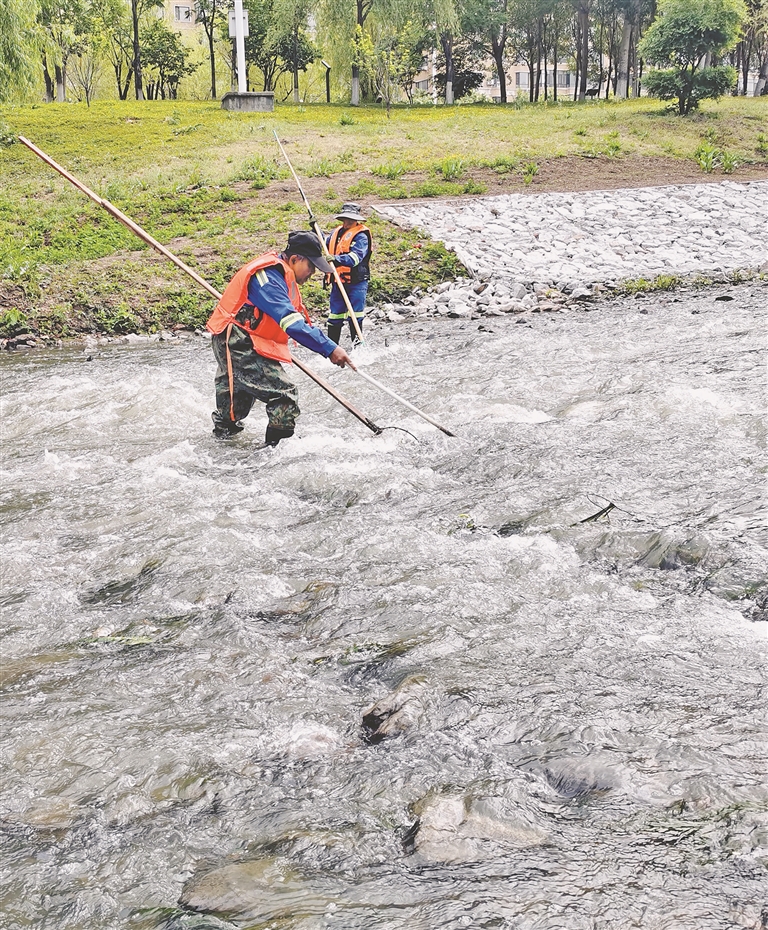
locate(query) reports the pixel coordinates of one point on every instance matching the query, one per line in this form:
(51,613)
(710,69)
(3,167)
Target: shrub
(690,89)
(13,322)
(117,320)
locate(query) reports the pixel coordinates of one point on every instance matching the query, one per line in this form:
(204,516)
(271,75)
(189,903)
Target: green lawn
(202,180)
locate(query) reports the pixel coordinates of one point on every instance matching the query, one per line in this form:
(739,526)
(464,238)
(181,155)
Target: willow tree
(446,17)
(17,46)
(343,21)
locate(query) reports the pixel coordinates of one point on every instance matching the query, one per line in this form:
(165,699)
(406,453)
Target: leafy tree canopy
(684,35)
(17,33)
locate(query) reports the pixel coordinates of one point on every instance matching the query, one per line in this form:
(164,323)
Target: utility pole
(242,83)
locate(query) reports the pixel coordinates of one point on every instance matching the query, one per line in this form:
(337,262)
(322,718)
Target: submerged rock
(579,778)
(454,828)
(397,712)
(256,890)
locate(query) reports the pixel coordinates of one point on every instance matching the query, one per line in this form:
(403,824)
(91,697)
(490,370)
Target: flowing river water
(575,731)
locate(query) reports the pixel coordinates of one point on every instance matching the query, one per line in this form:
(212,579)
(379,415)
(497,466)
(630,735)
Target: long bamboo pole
(319,233)
(145,237)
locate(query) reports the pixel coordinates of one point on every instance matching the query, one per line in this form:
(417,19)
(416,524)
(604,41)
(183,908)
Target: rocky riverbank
(550,251)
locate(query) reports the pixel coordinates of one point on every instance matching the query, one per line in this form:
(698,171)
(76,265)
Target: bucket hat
(350,211)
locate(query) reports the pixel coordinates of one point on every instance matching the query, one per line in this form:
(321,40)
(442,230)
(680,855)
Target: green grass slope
(212,186)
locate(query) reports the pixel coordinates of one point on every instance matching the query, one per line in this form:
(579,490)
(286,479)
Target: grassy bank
(211,185)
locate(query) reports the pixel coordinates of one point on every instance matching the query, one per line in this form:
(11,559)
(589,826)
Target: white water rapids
(192,632)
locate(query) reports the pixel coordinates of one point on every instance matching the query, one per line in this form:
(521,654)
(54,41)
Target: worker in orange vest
(260,309)
(350,246)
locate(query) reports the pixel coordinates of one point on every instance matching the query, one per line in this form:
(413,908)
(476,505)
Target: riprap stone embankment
(547,251)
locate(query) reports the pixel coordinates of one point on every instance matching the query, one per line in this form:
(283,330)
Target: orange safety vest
(340,244)
(266,335)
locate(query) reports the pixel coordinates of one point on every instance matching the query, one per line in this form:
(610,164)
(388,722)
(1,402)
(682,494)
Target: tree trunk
(498,43)
(583,14)
(355,85)
(556,56)
(577,74)
(136,51)
(49,88)
(762,79)
(636,65)
(622,67)
(212,55)
(743,65)
(61,83)
(554,67)
(446,40)
(601,73)
(127,86)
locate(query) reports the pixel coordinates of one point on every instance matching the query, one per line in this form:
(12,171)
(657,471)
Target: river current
(193,631)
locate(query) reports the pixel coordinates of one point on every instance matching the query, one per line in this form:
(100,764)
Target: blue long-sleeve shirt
(358,250)
(268,291)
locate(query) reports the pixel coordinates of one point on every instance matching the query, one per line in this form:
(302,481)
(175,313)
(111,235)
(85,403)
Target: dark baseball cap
(307,244)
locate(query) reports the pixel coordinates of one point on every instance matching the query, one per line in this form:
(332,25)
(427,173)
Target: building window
(563,78)
(182,13)
(521,79)
(422,85)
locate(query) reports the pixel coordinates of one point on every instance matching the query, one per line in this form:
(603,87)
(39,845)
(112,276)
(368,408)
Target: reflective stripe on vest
(268,337)
(341,242)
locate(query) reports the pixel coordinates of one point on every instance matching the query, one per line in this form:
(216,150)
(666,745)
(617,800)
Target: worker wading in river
(350,246)
(259,310)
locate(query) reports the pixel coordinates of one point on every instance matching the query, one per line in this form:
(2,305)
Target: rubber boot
(356,341)
(275,433)
(334,332)
(224,428)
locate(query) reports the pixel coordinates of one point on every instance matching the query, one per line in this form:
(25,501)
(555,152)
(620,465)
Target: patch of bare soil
(570,173)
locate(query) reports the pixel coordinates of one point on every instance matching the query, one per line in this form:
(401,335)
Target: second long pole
(319,233)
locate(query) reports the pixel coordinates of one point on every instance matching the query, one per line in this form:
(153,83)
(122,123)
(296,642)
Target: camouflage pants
(255,378)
